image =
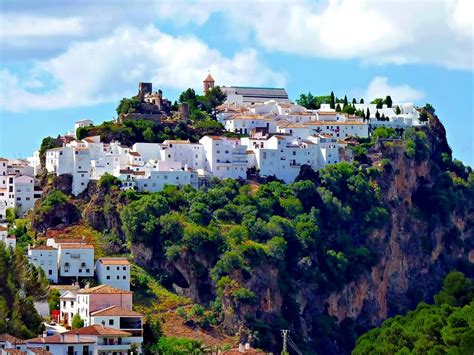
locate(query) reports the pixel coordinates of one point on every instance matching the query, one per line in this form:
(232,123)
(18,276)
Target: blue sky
(63,61)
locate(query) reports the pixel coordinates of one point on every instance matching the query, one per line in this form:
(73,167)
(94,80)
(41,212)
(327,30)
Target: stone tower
(144,88)
(208,83)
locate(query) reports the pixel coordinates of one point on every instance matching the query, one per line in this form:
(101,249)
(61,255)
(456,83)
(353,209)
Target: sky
(61,61)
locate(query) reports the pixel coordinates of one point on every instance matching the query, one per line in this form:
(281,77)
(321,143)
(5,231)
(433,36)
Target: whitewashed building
(46,258)
(76,260)
(91,340)
(114,272)
(67,307)
(122,319)
(225,157)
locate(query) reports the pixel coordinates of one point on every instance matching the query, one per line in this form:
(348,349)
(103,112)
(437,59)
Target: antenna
(284,333)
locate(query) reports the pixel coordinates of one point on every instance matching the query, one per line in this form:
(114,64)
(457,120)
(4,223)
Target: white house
(67,307)
(225,157)
(45,257)
(114,272)
(82,123)
(100,297)
(122,319)
(76,260)
(91,340)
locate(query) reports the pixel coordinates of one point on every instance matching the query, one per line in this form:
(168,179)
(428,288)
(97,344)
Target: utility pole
(284,333)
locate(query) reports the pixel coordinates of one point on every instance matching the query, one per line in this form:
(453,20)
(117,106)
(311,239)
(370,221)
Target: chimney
(241,348)
(61,336)
(247,346)
(77,337)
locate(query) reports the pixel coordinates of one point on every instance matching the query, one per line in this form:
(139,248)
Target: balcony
(115,347)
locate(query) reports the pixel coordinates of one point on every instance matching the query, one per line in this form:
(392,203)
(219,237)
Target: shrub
(77,322)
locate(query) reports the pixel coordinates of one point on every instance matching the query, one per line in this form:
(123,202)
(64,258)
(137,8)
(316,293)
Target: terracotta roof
(103,289)
(89,140)
(11,339)
(116,311)
(333,123)
(131,172)
(135,154)
(3,159)
(64,287)
(63,338)
(175,141)
(58,240)
(3,229)
(39,351)
(14,351)
(114,261)
(209,78)
(42,247)
(77,246)
(98,330)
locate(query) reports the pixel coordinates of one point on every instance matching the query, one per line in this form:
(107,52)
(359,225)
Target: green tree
(338,108)
(377,115)
(378,102)
(77,321)
(398,111)
(149,135)
(108,181)
(388,101)
(361,101)
(332,102)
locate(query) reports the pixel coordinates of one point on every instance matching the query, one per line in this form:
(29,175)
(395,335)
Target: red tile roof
(77,246)
(114,261)
(11,339)
(42,247)
(104,289)
(98,330)
(63,338)
(116,311)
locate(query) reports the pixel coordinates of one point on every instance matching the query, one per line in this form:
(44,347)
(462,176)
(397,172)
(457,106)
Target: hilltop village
(264,136)
(272,136)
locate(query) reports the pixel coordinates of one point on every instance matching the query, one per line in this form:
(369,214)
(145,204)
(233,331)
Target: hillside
(328,257)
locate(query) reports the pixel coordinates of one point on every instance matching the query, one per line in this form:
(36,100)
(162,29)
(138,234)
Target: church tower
(208,83)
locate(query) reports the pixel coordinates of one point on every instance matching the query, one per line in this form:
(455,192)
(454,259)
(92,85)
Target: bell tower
(208,83)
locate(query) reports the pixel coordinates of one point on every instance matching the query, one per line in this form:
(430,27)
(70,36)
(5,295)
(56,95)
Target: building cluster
(18,187)
(110,324)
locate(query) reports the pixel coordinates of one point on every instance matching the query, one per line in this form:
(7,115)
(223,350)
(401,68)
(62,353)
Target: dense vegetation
(21,284)
(447,327)
(309,230)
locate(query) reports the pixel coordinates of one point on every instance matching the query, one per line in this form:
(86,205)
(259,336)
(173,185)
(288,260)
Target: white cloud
(436,32)
(380,87)
(109,68)
(18,26)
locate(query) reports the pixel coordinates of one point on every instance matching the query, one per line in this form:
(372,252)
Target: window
(87,270)
(124,277)
(111,322)
(118,268)
(118,277)
(80,270)
(108,267)
(72,303)
(108,277)
(124,268)
(50,272)
(64,303)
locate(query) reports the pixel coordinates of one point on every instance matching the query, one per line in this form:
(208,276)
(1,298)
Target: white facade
(225,157)
(114,272)
(9,240)
(76,260)
(283,156)
(122,319)
(17,189)
(67,307)
(45,257)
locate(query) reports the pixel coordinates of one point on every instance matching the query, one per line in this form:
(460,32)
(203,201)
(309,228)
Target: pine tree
(354,101)
(332,103)
(367,115)
(398,111)
(361,101)
(377,115)
(345,100)
(338,108)
(388,101)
